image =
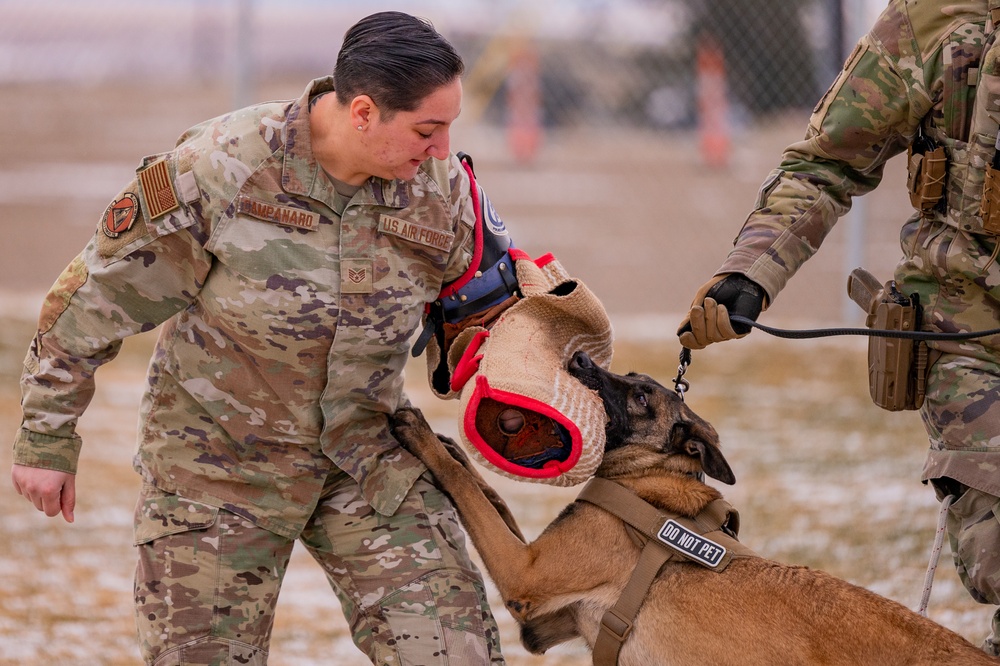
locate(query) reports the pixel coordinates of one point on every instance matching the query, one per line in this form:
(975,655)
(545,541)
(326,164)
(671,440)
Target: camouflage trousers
(973,528)
(958,283)
(207,581)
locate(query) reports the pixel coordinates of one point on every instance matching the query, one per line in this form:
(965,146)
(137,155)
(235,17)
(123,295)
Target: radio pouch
(897,368)
(989,207)
(927,167)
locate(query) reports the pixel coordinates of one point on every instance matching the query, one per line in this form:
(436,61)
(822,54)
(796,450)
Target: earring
(360,128)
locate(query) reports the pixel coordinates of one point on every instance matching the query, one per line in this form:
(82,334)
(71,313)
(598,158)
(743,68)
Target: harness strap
(616,625)
(718,519)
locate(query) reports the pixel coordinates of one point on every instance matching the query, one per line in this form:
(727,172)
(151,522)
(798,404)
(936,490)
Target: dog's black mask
(642,412)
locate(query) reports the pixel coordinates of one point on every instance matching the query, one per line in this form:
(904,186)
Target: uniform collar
(301,173)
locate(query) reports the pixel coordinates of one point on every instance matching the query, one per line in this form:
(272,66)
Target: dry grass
(825,479)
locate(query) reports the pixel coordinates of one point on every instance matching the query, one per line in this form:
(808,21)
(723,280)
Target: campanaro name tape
(693,545)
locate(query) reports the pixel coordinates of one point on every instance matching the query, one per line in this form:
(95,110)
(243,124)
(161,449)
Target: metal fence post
(851,21)
(242,54)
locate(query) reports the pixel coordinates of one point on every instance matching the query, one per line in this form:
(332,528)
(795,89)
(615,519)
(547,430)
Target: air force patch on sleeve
(691,544)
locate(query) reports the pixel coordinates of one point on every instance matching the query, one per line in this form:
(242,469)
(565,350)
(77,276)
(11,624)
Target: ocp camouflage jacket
(286,315)
(918,67)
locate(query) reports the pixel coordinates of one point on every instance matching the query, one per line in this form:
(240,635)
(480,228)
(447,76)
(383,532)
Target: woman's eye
(424,136)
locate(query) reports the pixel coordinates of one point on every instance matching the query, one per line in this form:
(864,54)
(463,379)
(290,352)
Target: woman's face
(396,148)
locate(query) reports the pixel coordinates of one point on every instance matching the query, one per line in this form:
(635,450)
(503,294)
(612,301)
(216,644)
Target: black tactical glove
(708,320)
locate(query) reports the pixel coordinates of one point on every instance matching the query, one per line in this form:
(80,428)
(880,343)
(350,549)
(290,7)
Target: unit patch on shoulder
(120,215)
(691,544)
(157,189)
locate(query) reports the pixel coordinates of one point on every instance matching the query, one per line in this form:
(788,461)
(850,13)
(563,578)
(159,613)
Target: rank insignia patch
(356,276)
(120,215)
(157,189)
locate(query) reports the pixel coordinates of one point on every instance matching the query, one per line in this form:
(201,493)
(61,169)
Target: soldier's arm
(870,113)
(115,288)
(479,280)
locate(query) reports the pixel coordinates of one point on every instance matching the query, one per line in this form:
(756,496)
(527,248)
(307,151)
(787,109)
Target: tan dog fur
(755,612)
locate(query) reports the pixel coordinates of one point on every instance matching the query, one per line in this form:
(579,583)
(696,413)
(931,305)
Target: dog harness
(708,539)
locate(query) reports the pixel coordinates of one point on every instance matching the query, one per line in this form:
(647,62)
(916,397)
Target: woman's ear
(363,111)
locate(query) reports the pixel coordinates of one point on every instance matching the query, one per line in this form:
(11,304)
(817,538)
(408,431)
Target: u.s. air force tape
(689,543)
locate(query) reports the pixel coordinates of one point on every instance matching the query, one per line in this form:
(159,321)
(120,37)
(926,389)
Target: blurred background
(627,137)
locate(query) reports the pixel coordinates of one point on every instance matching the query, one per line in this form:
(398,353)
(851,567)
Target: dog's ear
(713,462)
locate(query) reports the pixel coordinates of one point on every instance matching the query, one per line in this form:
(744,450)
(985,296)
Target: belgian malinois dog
(754,612)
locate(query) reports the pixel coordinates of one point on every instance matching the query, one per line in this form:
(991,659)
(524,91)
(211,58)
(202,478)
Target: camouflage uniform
(286,312)
(925,67)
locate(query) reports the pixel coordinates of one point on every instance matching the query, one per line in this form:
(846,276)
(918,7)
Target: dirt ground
(825,478)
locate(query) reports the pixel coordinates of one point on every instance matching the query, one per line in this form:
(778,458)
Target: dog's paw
(412,431)
(540,633)
(407,416)
(409,425)
(518,608)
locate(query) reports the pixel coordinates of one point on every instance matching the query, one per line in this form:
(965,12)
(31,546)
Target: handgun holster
(897,368)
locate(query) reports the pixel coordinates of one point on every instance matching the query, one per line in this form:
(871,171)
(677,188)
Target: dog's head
(649,426)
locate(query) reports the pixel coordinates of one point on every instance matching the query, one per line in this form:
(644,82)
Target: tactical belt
(663,536)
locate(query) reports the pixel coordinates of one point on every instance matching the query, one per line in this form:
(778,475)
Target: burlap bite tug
(523,415)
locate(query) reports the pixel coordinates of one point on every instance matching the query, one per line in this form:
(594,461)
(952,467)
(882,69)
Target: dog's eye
(641,399)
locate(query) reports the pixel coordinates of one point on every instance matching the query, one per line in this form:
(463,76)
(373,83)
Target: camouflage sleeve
(99,300)
(464,214)
(870,113)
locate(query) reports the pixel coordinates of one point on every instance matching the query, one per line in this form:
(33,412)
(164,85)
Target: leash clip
(681,385)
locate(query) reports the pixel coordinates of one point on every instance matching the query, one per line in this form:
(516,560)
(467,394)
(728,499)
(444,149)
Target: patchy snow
(825,479)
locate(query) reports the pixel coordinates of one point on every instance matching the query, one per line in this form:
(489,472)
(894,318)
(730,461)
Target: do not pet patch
(691,544)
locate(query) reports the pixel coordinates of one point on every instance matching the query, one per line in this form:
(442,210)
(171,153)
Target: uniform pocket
(438,619)
(159,513)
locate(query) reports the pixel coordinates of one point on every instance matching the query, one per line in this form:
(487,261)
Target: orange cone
(524,124)
(713,105)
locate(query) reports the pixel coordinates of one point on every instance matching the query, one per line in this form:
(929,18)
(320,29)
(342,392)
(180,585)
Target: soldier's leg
(962,417)
(409,590)
(974,534)
(206,583)
(958,282)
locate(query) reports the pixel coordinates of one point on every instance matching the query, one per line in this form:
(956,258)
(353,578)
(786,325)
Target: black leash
(682,385)
(870,332)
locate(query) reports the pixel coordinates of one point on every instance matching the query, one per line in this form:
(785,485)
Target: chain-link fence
(628,136)
(627,62)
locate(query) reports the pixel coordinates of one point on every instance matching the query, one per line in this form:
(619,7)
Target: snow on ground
(825,479)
